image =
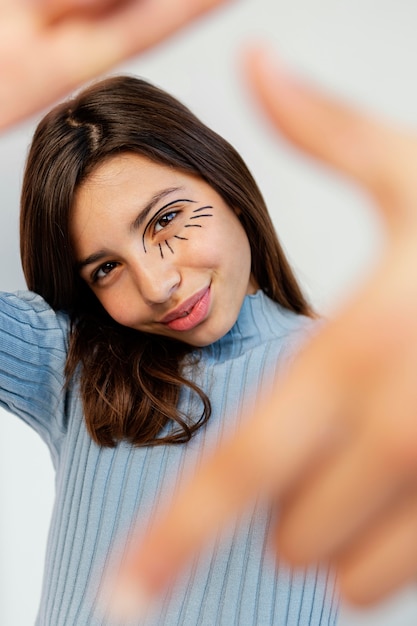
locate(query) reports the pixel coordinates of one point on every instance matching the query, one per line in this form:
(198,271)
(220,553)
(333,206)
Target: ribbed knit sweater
(103,495)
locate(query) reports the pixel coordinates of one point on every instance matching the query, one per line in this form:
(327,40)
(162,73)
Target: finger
(54,60)
(385,558)
(88,48)
(140,24)
(58,8)
(339,502)
(375,345)
(379,156)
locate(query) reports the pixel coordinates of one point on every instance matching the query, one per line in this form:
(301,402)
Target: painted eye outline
(95,275)
(162,212)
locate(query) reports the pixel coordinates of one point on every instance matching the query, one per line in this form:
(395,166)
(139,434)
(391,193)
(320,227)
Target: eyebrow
(137,222)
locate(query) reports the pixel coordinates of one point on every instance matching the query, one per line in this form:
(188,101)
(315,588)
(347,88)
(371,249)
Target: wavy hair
(130,381)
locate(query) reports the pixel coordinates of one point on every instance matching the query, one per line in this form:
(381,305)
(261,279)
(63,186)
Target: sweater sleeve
(33,349)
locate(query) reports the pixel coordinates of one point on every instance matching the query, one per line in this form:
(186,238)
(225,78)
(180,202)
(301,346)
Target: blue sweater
(104,495)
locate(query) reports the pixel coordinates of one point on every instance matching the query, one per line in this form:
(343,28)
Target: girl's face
(161,250)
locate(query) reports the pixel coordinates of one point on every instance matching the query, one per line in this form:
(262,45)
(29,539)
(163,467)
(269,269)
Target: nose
(156,278)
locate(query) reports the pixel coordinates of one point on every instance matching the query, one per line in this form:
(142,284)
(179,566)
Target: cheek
(225,243)
(236,249)
(120,306)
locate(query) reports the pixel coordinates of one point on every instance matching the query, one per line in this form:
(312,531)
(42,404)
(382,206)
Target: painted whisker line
(193,226)
(182,238)
(168,246)
(160,250)
(195,217)
(202,208)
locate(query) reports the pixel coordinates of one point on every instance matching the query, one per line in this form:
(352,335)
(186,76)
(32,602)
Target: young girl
(160,307)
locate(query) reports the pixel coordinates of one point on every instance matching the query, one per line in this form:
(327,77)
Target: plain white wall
(364,50)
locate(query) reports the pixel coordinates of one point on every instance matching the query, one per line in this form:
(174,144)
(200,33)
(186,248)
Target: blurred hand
(48,47)
(336,444)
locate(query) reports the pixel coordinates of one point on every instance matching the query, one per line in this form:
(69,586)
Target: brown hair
(130,381)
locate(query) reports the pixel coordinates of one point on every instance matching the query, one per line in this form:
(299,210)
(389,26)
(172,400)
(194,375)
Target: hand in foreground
(48,47)
(336,444)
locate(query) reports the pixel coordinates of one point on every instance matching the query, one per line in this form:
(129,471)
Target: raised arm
(48,47)
(336,444)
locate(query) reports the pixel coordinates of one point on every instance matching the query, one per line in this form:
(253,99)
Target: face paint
(202,215)
(160,215)
(161,250)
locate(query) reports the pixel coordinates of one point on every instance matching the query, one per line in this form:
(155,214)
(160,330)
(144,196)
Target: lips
(190,313)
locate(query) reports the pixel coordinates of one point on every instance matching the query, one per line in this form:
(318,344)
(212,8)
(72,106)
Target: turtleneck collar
(260,320)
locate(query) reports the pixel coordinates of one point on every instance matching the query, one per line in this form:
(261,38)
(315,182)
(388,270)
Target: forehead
(129,179)
(128,166)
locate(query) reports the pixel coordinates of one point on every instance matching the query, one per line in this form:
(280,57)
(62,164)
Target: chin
(208,337)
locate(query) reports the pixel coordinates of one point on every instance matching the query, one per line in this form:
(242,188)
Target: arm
(336,443)
(49,47)
(33,348)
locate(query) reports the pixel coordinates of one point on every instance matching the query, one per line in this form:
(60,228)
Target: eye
(164,221)
(104,270)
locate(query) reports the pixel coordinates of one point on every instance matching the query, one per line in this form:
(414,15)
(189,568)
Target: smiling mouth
(195,312)
(185,308)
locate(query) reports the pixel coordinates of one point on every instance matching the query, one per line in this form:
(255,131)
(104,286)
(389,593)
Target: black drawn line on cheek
(202,208)
(195,217)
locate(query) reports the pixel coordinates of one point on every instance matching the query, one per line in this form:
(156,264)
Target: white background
(363,50)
